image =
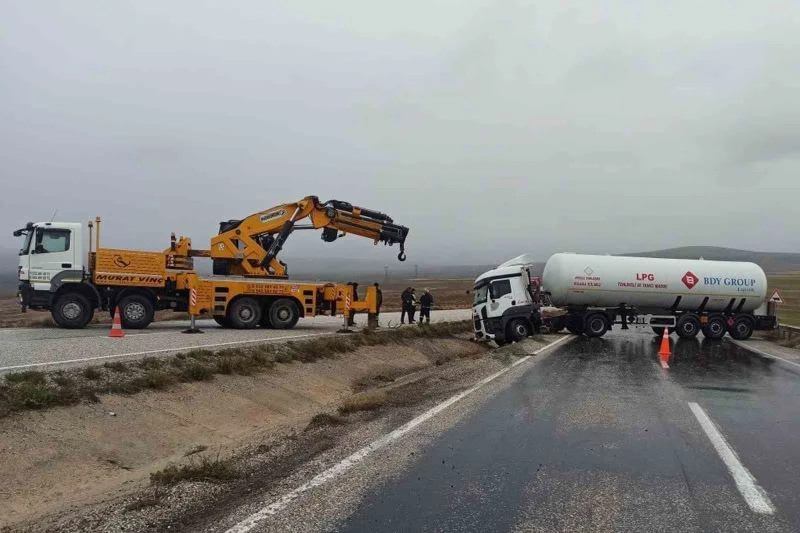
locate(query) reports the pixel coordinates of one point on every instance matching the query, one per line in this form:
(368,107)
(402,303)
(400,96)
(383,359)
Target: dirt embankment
(61,463)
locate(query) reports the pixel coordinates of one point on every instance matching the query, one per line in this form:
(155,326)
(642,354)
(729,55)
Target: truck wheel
(72,311)
(136,311)
(742,328)
(518,330)
(574,324)
(284,314)
(555,325)
(244,313)
(715,328)
(500,341)
(595,325)
(222,321)
(688,326)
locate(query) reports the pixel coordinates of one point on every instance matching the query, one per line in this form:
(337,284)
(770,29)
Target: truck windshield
(481,293)
(27,245)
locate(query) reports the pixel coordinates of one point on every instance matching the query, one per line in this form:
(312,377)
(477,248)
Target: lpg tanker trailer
(593,293)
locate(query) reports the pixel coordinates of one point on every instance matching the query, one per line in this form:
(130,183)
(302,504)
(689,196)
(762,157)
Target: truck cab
(51,255)
(506,302)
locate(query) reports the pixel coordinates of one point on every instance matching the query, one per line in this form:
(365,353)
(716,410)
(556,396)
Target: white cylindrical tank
(654,283)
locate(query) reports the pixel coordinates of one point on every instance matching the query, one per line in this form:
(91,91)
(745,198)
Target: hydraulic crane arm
(250,246)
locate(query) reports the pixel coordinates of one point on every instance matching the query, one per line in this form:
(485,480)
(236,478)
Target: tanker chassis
(592,293)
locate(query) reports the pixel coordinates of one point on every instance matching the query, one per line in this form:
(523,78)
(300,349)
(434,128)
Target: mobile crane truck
(249,288)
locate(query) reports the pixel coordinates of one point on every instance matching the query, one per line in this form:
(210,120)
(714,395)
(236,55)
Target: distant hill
(771,262)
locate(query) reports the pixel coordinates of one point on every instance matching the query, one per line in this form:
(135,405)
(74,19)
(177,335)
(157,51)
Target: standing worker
(351,321)
(378,300)
(407,300)
(425,304)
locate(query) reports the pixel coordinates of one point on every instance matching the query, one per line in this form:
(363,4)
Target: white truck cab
(52,254)
(506,302)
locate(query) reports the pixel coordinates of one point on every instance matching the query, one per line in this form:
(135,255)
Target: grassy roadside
(40,390)
(789,287)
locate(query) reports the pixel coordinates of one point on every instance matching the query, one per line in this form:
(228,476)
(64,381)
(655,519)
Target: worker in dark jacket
(408,301)
(352,320)
(425,304)
(378,299)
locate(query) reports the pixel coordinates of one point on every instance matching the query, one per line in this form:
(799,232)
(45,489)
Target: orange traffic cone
(664,353)
(116,325)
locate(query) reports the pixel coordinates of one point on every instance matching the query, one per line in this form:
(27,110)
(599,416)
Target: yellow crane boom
(250,246)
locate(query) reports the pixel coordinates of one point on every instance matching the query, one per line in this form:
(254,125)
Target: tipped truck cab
(505,305)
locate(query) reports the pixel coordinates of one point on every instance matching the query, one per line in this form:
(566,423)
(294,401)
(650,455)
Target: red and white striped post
(192,304)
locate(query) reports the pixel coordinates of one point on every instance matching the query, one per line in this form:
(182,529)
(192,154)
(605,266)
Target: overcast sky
(489,128)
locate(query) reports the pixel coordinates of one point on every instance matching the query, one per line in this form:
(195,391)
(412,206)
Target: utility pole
(386,274)
(416,271)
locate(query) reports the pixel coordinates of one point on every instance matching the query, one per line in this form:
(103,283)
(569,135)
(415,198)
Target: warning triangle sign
(776,297)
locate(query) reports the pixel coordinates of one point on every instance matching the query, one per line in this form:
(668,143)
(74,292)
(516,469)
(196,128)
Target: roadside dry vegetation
(40,390)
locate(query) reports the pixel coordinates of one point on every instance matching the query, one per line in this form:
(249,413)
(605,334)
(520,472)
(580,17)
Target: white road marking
(752,493)
(339,468)
(761,352)
(164,350)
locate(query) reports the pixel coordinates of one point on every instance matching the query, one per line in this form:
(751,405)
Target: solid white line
(752,493)
(164,350)
(339,468)
(760,352)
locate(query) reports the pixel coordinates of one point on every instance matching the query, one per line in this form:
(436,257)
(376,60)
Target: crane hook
(401,256)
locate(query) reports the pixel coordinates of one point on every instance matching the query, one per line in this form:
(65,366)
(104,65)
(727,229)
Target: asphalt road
(28,348)
(594,436)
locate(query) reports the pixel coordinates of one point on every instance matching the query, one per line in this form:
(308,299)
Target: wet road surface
(598,437)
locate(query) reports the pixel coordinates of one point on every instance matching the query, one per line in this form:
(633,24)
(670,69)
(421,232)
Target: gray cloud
(489,128)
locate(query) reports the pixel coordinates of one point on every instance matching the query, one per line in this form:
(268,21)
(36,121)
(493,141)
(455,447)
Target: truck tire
(715,328)
(244,313)
(518,329)
(499,340)
(72,311)
(222,321)
(284,313)
(136,311)
(688,326)
(742,328)
(555,324)
(595,325)
(574,325)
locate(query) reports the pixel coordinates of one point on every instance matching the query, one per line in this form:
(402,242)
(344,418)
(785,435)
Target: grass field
(789,287)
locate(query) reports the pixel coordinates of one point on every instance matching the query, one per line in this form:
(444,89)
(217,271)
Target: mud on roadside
(390,385)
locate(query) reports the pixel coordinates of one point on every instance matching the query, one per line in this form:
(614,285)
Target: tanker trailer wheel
(284,313)
(688,326)
(574,325)
(244,313)
(518,329)
(595,325)
(742,328)
(715,328)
